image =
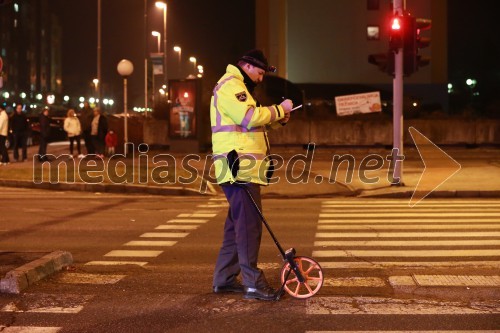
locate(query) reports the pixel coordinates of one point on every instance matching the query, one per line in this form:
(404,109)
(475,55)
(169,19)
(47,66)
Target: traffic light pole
(397,103)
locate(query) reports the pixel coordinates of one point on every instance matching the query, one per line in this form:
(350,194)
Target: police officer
(241,149)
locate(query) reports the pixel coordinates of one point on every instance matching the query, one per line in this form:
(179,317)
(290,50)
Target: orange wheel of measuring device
(312,273)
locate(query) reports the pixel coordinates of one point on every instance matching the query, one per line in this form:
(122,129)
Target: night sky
(217,32)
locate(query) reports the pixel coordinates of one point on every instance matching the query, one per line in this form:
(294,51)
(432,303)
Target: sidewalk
(479,174)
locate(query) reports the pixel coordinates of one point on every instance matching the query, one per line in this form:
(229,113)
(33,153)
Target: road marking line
(150,243)
(83,278)
(360,202)
(420,210)
(177,227)
(354,282)
(457,280)
(406,253)
(425,243)
(407,214)
(137,253)
(407,234)
(165,234)
(116,263)
(213,206)
(29,329)
(197,215)
(454,331)
(422,220)
(59,303)
(388,264)
(402,204)
(408,227)
(388,306)
(187,221)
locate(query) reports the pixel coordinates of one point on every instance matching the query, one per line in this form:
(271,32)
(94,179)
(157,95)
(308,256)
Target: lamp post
(178,50)
(96,86)
(125,69)
(163,5)
(193,60)
(158,35)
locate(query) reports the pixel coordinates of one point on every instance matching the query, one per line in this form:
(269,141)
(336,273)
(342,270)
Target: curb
(22,277)
(106,188)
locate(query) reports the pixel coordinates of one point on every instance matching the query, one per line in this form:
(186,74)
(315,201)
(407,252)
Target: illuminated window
(373,32)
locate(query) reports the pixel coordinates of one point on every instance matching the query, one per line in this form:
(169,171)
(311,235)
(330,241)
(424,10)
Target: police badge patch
(242,96)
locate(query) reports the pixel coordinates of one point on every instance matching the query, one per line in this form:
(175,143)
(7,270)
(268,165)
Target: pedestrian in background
(111,142)
(99,129)
(73,129)
(239,126)
(4,132)
(20,130)
(44,135)
(86,116)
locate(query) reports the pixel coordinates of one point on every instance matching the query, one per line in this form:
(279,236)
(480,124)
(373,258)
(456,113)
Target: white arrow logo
(439,166)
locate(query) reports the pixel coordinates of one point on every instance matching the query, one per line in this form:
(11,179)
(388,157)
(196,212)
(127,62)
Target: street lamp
(178,50)
(163,5)
(96,85)
(193,60)
(125,69)
(158,35)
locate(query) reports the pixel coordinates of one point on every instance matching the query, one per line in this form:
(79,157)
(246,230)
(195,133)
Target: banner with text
(359,103)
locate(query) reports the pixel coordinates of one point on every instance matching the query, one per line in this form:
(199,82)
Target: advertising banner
(359,103)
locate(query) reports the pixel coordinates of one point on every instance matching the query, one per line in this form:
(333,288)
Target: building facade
(30,47)
(327,42)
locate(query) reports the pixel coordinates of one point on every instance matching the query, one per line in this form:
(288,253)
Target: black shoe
(265,294)
(236,287)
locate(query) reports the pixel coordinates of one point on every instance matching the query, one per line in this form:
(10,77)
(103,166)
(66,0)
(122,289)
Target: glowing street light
(158,35)
(193,60)
(178,50)
(125,68)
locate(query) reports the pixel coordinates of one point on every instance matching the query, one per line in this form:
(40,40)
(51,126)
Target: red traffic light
(396,24)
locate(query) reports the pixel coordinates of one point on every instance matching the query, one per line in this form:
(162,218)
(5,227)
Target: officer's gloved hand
(287,105)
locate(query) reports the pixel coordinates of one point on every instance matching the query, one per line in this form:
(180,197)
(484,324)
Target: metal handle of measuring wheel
(290,256)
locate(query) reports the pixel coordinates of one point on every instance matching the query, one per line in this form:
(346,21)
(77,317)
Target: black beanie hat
(256,58)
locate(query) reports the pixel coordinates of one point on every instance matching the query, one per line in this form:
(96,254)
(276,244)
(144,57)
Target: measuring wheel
(312,273)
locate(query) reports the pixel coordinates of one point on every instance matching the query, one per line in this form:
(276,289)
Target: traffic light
(422,42)
(413,42)
(396,34)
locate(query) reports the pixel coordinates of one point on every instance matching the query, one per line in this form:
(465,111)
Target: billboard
(182,116)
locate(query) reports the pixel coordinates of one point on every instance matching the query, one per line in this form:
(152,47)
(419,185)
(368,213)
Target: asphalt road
(168,288)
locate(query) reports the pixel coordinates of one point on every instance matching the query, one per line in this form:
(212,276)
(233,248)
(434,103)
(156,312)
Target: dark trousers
(42,148)
(242,235)
(88,142)
(20,142)
(78,145)
(98,144)
(3,149)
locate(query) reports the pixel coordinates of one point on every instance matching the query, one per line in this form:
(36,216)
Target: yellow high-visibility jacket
(239,124)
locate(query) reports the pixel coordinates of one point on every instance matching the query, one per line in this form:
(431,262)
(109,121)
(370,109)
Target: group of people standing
(91,125)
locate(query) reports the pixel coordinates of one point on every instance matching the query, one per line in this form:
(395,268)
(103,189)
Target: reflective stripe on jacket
(239,124)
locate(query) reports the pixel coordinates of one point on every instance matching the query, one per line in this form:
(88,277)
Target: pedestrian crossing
(368,233)
(150,244)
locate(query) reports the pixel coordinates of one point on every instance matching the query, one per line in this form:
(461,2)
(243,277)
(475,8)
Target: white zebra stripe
(404,254)
(408,227)
(398,243)
(407,234)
